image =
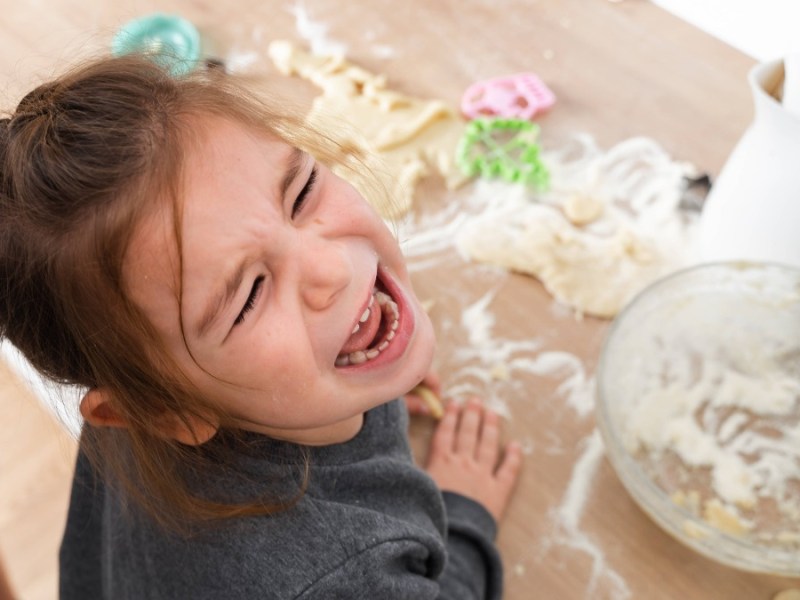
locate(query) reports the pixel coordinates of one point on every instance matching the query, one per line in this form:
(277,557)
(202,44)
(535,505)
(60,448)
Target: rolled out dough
(411,136)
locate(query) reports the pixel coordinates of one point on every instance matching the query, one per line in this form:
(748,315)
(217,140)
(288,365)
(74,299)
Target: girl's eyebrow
(232,283)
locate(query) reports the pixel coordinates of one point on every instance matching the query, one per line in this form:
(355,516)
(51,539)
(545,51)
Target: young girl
(244,320)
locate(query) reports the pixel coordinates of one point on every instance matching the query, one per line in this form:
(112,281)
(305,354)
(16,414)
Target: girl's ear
(98,410)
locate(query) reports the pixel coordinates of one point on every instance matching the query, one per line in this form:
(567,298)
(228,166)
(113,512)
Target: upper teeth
(392,313)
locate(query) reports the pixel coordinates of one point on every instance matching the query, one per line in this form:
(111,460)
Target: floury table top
(619,69)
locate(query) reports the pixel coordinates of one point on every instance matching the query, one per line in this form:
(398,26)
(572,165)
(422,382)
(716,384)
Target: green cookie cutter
(505,148)
(169,40)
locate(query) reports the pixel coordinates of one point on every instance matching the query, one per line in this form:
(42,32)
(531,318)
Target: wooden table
(619,69)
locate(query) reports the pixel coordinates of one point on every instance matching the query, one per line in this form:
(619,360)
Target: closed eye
(301,197)
(251,299)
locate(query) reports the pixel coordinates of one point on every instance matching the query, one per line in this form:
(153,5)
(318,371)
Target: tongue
(362,338)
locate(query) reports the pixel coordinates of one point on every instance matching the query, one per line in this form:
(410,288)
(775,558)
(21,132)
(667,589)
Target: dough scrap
(581,209)
(724,518)
(411,136)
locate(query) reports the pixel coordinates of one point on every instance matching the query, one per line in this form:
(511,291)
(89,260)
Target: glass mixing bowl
(699,408)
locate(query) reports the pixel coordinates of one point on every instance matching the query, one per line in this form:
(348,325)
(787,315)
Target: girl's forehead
(230,167)
(226,139)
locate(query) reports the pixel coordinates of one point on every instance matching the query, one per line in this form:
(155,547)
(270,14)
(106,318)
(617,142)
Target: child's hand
(465,457)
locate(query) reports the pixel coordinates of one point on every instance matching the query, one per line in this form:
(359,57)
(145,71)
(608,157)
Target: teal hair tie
(505,148)
(170,40)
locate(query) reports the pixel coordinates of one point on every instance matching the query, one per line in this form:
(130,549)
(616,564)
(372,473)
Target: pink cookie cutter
(516,96)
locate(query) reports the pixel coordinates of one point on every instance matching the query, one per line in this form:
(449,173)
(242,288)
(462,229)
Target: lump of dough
(595,275)
(582,209)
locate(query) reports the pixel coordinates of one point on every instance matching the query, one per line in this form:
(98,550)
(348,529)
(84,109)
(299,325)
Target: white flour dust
(487,363)
(315,32)
(576,387)
(567,518)
(245,51)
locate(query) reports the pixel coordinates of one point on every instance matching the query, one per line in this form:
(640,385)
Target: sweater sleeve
(397,569)
(473,568)
(393,569)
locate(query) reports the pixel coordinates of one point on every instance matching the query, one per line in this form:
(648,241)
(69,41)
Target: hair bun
(36,102)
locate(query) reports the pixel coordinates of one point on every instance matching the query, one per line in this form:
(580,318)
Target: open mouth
(375,330)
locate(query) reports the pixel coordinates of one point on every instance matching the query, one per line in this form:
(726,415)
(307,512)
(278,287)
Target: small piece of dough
(723,518)
(431,399)
(582,209)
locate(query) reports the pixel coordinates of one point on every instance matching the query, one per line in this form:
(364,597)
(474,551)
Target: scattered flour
(567,517)
(578,389)
(245,51)
(315,32)
(477,362)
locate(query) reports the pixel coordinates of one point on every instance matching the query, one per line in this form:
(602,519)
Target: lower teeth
(390,310)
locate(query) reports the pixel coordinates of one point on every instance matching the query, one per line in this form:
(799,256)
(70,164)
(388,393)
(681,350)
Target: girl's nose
(326,271)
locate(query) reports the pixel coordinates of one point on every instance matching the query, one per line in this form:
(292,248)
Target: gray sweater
(370,526)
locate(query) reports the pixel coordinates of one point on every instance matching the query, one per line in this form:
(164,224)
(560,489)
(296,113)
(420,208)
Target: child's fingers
(444,436)
(508,470)
(416,405)
(468,428)
(489,446)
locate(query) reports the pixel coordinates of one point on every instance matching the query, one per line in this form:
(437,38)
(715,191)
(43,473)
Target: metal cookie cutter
(505,148)
(516,96)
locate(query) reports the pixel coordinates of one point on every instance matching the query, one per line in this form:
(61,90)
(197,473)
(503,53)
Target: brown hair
(82,160)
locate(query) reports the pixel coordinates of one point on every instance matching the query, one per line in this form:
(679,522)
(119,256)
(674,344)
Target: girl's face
(296,312)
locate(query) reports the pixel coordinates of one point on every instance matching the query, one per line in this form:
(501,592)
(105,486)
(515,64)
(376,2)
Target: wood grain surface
(619,69)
